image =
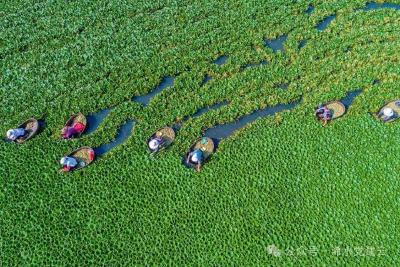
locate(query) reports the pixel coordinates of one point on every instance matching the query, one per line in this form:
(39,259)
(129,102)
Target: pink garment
(69,132)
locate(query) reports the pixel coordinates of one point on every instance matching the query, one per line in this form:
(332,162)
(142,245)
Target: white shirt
(69,162)
(154,144)
(388,112)
(15,133)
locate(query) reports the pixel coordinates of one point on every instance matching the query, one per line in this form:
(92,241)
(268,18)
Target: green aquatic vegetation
(282,180)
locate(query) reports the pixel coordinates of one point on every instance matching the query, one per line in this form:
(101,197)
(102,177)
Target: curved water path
(310,10)
(145,99)
(348,100)
(325,22)
(200,112)
(368,7)
(218,132)
(206,79)
(221,60)
(375,5)
(276,44)
(124,132)
(94,120)
(225,130)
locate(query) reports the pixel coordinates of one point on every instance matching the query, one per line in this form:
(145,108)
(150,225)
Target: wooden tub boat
(79,117)
(206,145)
(337,109)
(31,127)
(83,156)
(395,106)
(167,134)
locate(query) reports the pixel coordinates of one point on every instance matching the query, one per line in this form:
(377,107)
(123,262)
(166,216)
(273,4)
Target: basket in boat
(79,117)
(83,156)
(337,108)
(206,145)
(31,127)
(395,106)
(167,134)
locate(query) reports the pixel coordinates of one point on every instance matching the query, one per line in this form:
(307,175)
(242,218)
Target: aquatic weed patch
(282,180)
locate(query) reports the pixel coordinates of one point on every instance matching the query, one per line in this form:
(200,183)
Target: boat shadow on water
(124,132)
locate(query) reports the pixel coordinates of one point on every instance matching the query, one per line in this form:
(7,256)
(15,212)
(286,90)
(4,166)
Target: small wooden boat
(206,145)
(167,134)
(395,106)
(31,127)
(337,109)
(79,117)
(84,156)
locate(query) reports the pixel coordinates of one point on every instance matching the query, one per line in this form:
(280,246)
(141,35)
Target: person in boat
(156,143)
(324,114)
(14,134)
(195,157)
(387,114)
(71,131)
(68,163)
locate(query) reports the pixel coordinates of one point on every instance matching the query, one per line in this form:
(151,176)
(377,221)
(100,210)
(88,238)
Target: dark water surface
(348,100)
(206,79)
(369,6)
(95,119)
(276,44)
(283,86)
(325,22)
(302,44)
(124,132)
(310,10)
(225,130)
(145,99)
(221,60)
(374,6)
